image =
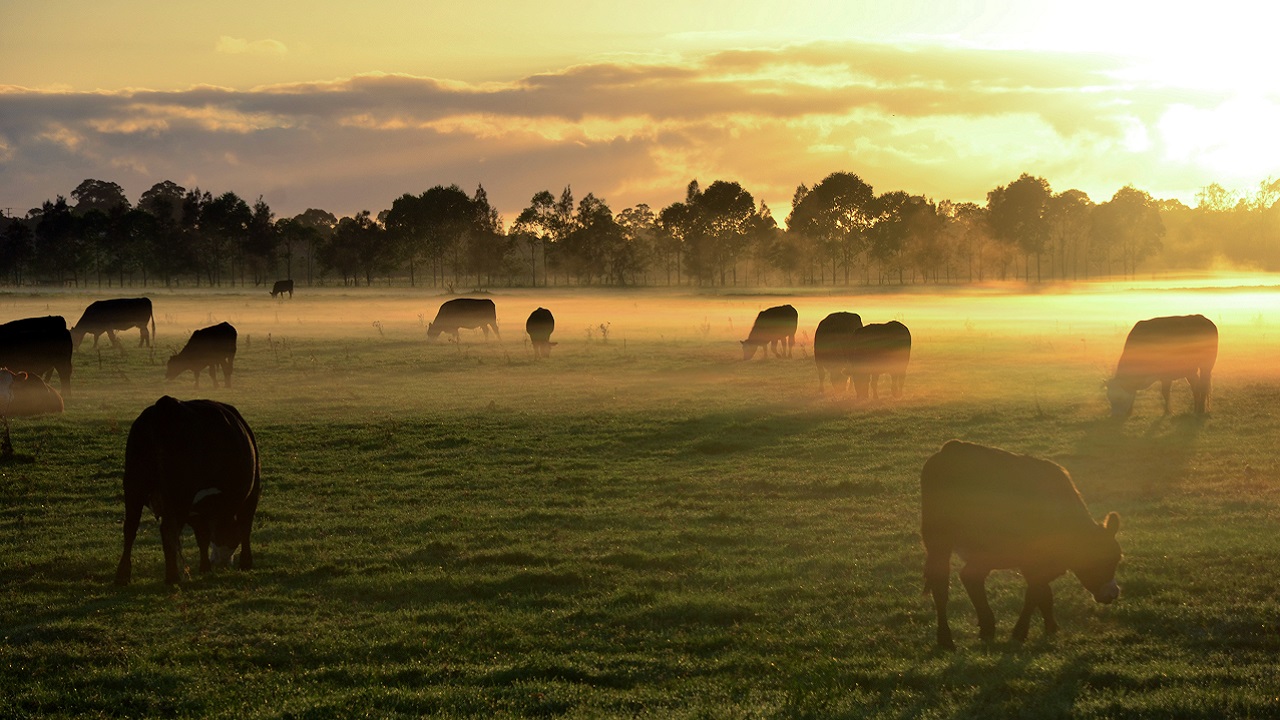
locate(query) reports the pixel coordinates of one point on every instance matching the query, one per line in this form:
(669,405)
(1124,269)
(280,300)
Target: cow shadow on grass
(1136,460)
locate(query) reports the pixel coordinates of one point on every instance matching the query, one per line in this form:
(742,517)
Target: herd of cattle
(195,462)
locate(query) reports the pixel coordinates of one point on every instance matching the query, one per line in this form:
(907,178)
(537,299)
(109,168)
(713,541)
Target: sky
(345,107)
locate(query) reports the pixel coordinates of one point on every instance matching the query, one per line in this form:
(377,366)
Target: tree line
(839,232)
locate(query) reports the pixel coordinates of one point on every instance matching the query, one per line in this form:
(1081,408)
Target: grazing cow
(833,348)
(998,510)
(38,346)
(108,316)
(281,287)
(540,326)
(24,395)
(775,326)
(193,462)
(209,347)
(469,313)
(880,348)
(1165,349)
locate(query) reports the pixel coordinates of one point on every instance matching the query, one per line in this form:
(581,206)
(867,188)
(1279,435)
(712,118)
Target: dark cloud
(949,122)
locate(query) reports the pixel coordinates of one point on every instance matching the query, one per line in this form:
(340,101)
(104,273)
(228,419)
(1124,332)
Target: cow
(880,349)
(39,346)
(1165,349)
(25,395)
(998,510)
(833,348)
(469,313)
(775,326)
(211,347)
(540,326)
(193,462)
(108,316)
(281,287)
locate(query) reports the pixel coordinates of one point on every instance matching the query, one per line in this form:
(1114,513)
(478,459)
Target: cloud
(943,121)
(240,46)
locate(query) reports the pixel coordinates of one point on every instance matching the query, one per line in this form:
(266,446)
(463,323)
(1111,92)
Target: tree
(836,214)
(98,195)
(545,221)
(1069,216)
(317,227)
(1129,223)
(1017,215)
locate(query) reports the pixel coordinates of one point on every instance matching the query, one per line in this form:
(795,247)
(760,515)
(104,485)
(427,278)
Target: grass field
(643,525)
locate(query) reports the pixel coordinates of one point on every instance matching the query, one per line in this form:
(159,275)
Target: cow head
(173,368)
(433,332)
(1099,559)
(77,337)
(1121,399)
(749,349)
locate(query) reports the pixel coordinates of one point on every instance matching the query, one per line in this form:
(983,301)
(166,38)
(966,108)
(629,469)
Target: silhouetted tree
(1129,225)
(98,195)
(836,215)
(1017,215)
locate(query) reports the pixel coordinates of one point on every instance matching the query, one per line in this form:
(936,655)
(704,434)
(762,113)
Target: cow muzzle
(220,555)
(1108,593)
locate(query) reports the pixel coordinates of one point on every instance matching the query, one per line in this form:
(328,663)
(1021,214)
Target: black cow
(833,348)
(880,349)
(108,316)
(1165,349)
(281,287)
(540,326)
(999,510)
(209,347)
(38,346)
(773,327)
(194,463)
(469,313)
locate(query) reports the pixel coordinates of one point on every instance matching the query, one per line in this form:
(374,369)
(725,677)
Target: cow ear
(1112,523)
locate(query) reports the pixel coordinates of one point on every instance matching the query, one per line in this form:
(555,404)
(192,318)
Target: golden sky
(347,106)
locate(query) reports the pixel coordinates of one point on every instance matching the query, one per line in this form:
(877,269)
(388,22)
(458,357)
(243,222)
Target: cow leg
(975,582)
(937,580)
(132,516)
(898,382)
(171,539)
(495,330)
(143,339)
(203,534)
(1038,595)
(213,373)
(875,385)
(1046,611)
(226,370)
(1202,396)
(115,341)
(245,519)
(1165,385)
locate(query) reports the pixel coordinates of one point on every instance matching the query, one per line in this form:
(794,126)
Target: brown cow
(880,349)
(833,348)
(540,325)
(469,313)
(211,347)
(1165,349)
(999,510)
(775,326)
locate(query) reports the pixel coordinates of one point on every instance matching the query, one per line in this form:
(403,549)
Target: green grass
(643,527)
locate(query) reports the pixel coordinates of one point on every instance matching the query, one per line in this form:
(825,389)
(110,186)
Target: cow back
(774,323)
(833,339)
(1169,347)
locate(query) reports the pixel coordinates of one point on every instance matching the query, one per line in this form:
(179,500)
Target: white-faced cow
(998,510)
(469,313)
(775,327)
(108,316)
(1165,349)
(194,463)
(281,287)
(211,347)
(540,326)
(39,346)
(880,349)
(833,348)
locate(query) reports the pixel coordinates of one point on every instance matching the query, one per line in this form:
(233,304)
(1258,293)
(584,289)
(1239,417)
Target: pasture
(643,525)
